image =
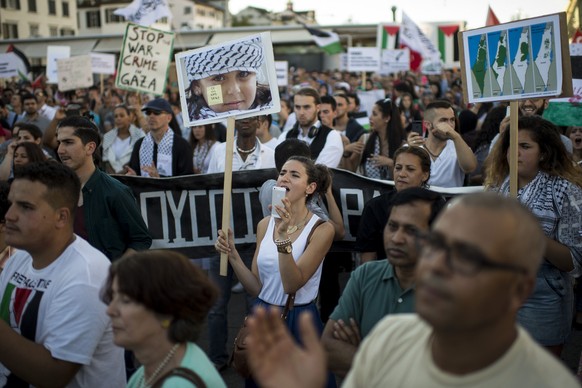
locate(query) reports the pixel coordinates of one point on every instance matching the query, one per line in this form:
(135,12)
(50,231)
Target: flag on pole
(145,12)
(491,18)
(24,65)
(388,36)
(423,54)
(448,43)
(327,41)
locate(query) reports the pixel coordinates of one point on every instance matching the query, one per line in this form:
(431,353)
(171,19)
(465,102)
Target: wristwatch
(288,249)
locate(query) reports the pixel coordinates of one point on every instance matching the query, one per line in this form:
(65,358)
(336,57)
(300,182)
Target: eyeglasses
(154,112)
(462,258)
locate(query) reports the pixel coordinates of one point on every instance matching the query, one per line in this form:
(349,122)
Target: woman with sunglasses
(550,185)
(118,143)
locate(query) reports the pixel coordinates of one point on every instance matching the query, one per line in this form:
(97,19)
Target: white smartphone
(277,199)
(507,111)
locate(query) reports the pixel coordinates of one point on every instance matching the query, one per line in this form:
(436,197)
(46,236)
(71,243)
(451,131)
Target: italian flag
(448,43)
(327,41)
(388,36)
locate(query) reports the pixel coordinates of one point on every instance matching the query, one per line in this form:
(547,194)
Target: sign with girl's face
(235,78)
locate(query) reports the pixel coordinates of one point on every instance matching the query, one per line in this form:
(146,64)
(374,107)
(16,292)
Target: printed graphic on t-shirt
(19,308)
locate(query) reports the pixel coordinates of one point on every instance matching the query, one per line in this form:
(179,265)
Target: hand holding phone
(277,199)
(417,127)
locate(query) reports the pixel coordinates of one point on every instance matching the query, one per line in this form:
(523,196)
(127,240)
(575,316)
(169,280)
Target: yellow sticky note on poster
(214,95)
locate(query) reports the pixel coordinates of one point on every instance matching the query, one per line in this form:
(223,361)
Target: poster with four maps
(514,60)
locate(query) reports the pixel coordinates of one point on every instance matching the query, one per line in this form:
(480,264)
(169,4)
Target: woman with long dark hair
(387,135)
(550,185)
(202,139)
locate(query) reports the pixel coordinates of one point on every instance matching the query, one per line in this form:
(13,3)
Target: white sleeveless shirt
(268,265)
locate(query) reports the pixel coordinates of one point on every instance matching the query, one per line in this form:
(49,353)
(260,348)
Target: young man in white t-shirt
(53,326)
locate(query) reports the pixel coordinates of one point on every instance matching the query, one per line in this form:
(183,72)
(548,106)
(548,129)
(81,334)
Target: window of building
(67,32)
(201,12)
(34,30)
(163,20)
(66,8)
(32,6)
(93,19)
(52,7)
(10,30)
(53,31)
(10,4)
(187,10)
(111,18)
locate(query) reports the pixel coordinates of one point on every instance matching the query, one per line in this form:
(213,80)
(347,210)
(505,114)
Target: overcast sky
(474,12)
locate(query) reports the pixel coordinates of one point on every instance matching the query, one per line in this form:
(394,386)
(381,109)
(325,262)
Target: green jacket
(112,218)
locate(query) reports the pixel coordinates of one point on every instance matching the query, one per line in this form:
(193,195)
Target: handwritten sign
(282,70)
(74,73)
(363,59)
(103,63)
(144,59)
(214,94)
(53,54)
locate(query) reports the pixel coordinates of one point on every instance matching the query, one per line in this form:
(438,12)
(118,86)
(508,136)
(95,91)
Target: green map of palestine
(501,54)
(479,66)
(524,49)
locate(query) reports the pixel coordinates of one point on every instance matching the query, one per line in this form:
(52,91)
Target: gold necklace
(294,228)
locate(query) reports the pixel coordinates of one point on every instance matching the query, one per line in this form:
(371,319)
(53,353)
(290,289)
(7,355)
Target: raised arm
(249,278)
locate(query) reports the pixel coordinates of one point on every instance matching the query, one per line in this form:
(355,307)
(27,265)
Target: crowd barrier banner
(184,213)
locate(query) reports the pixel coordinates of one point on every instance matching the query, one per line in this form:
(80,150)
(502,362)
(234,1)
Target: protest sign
(395,61)
(282,70)
(231,79)
(363,59)
(9,65)
(144,59)
(53,54)
(102,63)
(524,59)
(74,73)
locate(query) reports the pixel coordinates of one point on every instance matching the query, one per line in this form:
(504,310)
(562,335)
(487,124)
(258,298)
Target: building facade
(21,19)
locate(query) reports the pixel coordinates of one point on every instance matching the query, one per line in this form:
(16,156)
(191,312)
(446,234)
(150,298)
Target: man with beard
(531,107)
(325,143)
(382,287)
(451,157)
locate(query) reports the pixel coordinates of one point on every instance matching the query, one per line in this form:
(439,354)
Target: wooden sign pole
(227,190)
(513,146)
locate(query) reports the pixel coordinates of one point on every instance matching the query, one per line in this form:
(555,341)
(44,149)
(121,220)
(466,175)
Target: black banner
(185,213)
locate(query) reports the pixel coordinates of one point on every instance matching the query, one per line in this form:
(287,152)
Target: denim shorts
(547,314)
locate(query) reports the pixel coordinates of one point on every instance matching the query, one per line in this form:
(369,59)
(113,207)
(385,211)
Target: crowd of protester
(59,149)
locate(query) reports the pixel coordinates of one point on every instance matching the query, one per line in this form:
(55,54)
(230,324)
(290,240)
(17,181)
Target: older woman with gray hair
(226,79)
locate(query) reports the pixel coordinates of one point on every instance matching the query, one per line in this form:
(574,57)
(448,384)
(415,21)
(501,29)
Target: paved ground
(570,355)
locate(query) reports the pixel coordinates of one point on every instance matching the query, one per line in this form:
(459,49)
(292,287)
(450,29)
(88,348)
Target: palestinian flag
(448,43)
(327,41)
(25,65)
(388,36)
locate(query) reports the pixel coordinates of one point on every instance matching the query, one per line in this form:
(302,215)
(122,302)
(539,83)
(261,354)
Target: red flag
(577,38)
(491,18)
